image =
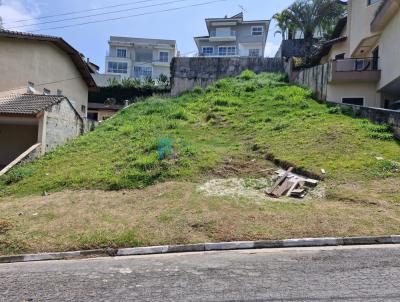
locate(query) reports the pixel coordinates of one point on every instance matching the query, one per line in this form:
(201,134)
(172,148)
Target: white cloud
(15,10)
(271,49)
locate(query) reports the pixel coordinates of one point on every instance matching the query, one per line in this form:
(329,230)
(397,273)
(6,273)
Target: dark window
(353,101)
(83,108)
(375,59)
(340,56)
(370,2)
(93,116)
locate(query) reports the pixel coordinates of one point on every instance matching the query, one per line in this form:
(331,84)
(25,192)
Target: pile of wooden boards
(290,184)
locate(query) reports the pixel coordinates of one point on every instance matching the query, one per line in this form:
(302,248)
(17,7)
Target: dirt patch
(251,188)
(249,167)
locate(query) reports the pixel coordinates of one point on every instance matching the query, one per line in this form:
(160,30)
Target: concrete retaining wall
(315,78)
(187,73)
(377,115)
(62,124)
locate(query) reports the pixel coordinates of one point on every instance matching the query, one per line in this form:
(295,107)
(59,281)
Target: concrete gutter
(204,247)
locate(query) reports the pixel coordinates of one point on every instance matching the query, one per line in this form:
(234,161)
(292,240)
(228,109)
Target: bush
(247,75)
(197,90)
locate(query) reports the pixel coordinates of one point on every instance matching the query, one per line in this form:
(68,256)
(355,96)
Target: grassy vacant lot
(224,131)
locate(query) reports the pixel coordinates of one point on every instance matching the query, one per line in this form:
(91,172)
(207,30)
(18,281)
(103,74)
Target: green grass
(188,137)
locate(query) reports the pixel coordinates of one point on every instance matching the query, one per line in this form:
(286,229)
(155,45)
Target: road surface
(368,273)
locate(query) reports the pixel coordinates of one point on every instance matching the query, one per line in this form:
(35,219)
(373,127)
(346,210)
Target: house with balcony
(233,36)
(139,58)
(363,58)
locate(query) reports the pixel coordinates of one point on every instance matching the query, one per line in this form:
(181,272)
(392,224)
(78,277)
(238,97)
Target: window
(371,2)
(340,56)
(93,116)
(353,101)
(254,52)
(164,56)
(208,51)
(227,51)
(83,108)
(59,92)
(46,91)
(257,31)
(140,71)
(118,67)
(121,53)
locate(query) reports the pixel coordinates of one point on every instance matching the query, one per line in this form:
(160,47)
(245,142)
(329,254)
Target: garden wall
(187,73)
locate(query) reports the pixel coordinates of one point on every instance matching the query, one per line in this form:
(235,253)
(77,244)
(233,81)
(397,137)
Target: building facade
(365,62)
(139,58)
(233,37)
(42,64)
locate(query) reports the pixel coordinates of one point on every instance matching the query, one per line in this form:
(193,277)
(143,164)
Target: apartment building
(364,57)
(233,37)
(139,58)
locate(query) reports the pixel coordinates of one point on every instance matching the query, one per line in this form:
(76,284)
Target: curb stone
(218,246)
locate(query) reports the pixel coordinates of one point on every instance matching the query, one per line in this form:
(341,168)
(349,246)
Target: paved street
(303,274)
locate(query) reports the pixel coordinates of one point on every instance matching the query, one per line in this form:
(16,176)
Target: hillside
(193,169)
(189,137)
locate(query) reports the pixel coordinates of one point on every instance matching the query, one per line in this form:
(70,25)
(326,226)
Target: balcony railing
(355,70)
(227,34)
(355,64)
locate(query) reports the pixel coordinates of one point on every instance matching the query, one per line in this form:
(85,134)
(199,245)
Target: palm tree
(309,16)
(283,24)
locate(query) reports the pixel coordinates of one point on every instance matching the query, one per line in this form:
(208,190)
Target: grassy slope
(249,114)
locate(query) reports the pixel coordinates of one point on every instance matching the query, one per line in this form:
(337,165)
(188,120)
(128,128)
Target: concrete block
(229,245)
(367,240)
(50,256)
(143,250)
(186,248)
(396,239)
(310,242)
(266,244)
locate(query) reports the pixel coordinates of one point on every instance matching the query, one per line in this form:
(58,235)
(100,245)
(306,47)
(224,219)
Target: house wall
(23,61)
(202,71)
(14,140)
(360,18)
(61,124)
(335,93)
(390,52)
(103,114)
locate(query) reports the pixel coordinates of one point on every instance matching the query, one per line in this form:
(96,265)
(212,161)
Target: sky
(92,39)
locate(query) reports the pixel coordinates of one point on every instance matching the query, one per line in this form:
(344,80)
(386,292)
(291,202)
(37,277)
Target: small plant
(197,90)
(163,81)
(179,115)
(334,110)
(247,75)
(280,126)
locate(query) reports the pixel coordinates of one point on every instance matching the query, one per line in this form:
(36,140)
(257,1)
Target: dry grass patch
(177,213)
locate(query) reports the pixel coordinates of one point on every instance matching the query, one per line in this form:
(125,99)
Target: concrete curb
(202,247)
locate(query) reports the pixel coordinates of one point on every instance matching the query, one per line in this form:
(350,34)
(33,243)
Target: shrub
(247,75)
(280,126)
(179,115)
(334,110)
(197,90)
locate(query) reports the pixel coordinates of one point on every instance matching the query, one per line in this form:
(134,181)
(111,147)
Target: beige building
(44,65)
(363,56)
(44,86)
(99,112)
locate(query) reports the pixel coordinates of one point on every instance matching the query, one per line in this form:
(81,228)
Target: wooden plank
(279,191)
(19,159)
(280,180)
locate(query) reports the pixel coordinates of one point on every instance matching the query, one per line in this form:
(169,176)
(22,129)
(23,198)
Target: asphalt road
(306,274)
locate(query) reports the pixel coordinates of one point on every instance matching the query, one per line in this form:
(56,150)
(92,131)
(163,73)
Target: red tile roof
(27,104)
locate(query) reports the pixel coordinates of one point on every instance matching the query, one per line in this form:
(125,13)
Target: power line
(131,16)
(81,11)
(99,14)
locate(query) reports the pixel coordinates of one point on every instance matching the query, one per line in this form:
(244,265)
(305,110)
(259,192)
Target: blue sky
(181,25)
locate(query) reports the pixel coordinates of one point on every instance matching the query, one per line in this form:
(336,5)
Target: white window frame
(123,49)
(117,70)
(227,53)
(255,49)
(164,52)
(207,54)
(259,33)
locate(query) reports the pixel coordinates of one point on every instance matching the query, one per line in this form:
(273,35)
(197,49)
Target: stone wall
(187,73)
(62,124)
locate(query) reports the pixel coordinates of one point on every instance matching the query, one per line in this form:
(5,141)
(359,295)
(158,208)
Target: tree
(163,81)
(283,24)
(308,16)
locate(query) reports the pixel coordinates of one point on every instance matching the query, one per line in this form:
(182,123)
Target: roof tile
(27,104)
